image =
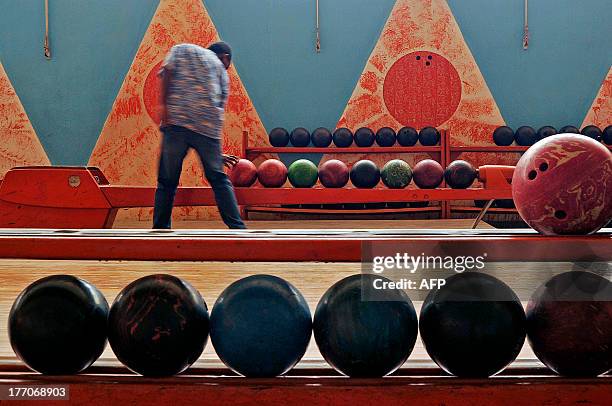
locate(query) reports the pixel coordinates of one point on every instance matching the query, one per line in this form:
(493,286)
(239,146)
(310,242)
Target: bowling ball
(364,137)
(473,326)
(428,174)
(429,136)
(525,136)
(385,137)
(569,129)
(272,173)
(279,137)
(407,136)
(299,137)
(333,173)
(562,185)
(360,337)
(343,137)
(57,325)
(303,173)
(607,135)
(545,131)
(243,174)
(158,325)
(365,174)
(592,131)
(503,136)
(321,137)
(569,324)
(460,174)
(260,326)
(396,174)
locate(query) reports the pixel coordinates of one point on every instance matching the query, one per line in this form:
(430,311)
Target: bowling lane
(210,278)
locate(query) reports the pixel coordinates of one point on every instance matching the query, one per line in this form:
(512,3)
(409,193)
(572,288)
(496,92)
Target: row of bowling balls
(526,135)
(260,326)
(363,137)
(395,174)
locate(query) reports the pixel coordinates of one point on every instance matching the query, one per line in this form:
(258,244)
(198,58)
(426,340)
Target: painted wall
(94,42)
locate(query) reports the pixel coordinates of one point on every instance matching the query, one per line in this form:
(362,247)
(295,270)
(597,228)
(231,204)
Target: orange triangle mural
(600,113)
(128,148)
(19,144)
(422,73)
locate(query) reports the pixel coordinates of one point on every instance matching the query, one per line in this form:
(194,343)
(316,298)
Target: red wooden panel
(59,187)
(298,245)
(348,150)
(143,196)
(313,390)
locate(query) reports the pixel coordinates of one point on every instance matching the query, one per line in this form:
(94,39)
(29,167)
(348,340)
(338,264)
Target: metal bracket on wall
(526,26)
(47,47)
(318,42)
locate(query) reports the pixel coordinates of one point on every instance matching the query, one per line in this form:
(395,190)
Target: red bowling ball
(563,185)
(243,174)
(333,173)
(272,173)
(428,174)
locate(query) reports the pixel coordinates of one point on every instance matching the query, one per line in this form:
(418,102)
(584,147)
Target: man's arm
(166,77)
(224,88)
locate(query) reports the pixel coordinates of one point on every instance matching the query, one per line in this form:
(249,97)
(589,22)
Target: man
(195,88)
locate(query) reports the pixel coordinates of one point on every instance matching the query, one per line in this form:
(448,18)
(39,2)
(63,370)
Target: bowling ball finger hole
(427,63)
(418,58)
(560,214)
(532,175)
(429,57)
(543,167)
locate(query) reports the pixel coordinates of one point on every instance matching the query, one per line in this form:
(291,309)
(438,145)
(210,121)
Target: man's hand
(230,160)
(163,115)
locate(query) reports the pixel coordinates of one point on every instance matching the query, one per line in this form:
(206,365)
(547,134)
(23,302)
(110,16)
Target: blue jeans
(176,142)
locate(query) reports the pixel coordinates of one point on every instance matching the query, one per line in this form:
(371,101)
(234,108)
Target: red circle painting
(422,89)
(151,93)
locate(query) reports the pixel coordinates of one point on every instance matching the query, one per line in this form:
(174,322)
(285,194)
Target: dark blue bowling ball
(473,326)
(361,337)
(260,326)
(57,325)
(407,136)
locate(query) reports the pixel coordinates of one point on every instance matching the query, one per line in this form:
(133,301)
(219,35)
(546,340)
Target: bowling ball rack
(82,197)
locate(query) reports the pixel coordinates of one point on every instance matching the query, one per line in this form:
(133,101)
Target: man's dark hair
(221,48)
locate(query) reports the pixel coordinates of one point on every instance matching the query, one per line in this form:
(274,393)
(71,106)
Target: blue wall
(94,42)
(555,81)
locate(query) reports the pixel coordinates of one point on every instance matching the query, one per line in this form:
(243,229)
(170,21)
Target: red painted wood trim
(267,209)
(143,196)
(489,148)
(349,150)
(296,246)
(192,390)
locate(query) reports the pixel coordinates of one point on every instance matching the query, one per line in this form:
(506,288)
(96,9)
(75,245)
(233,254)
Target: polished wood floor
(312,279)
